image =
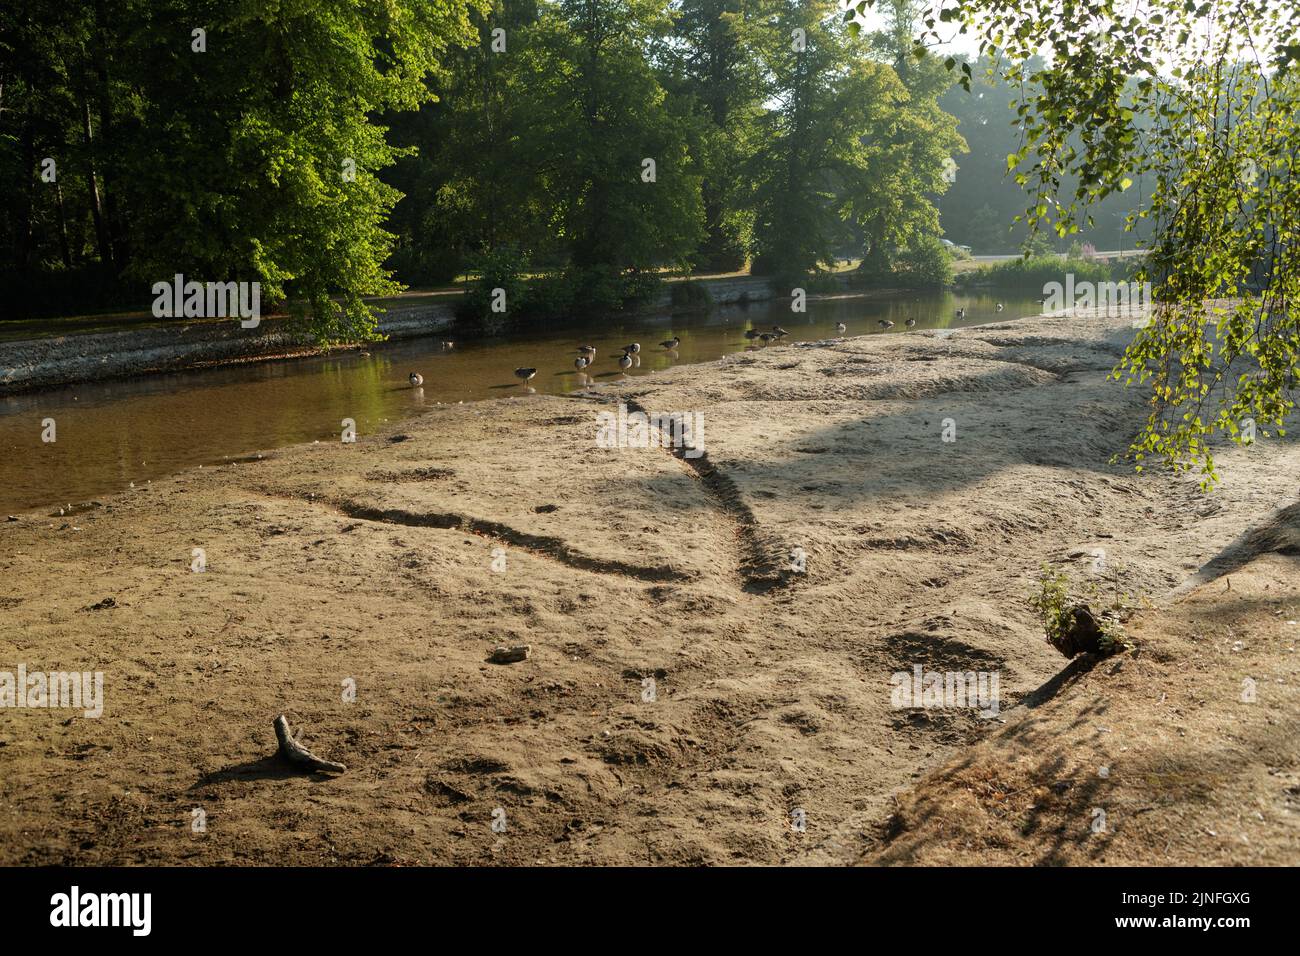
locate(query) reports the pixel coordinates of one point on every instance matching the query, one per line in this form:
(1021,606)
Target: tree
(235,141)
(714,67)
(470,189)
(849,157)
(622,188)
(1200,97)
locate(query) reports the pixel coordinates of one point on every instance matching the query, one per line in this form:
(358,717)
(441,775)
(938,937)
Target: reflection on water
(111,434)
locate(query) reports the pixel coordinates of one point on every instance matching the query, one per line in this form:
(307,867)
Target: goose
(525,374)
(885,324)
(416,379)
(910,323)
(672,343)
(625,361)
(1000,307)
(581,362)
(841,328)
(779,332)
(961,313)
(588,349)
(632,349)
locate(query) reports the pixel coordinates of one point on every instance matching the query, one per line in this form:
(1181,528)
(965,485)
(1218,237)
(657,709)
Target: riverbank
(49,361)
(689,694)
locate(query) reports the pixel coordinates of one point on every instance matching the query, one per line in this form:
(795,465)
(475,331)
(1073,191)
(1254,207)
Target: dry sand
(373,563)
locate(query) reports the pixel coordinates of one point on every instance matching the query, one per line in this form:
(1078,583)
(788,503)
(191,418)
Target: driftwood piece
(299,755)
(510,655)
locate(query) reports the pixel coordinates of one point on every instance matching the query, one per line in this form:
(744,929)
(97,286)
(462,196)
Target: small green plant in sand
(1069,624)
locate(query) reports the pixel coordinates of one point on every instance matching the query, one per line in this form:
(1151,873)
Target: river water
(110,434)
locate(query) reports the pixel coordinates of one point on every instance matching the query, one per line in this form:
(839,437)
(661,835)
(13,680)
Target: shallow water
(111,434)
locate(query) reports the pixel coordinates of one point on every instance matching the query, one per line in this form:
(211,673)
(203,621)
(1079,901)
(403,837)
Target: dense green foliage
(333,151)
(222,141)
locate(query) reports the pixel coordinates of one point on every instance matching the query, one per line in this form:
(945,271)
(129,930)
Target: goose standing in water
(885,324)
(1000,306)
(625,361)
(672,343)
(961,313)
(841,328)
(588,350)
(416,379)
(910,323)
(632,349)
(581,362)
(525,374)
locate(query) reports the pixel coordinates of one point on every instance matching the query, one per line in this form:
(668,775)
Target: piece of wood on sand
(503,654)
(297,754)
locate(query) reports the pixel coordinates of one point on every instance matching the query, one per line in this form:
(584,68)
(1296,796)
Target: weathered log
(299,755)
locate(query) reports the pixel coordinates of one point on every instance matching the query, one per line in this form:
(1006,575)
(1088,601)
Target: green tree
(1201,98)
(848,157)
(246,150)
(713,65)
(622,188)
(470,188)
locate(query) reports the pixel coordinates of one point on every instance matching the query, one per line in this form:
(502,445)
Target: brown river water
(112,434)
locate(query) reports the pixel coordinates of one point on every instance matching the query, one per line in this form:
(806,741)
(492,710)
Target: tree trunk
(92,187)
(64,249)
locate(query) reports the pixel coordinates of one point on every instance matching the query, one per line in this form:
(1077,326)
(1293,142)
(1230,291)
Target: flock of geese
(587,353)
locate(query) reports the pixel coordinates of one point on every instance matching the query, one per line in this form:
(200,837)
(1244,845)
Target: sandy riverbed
(373,563)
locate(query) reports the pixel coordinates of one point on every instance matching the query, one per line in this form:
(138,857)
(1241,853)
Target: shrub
(1052,603)
(1069,625)
(1033,274)
(638,286)
(691,295)
(500,269)
(1038,245)
(927,264)
(550,296)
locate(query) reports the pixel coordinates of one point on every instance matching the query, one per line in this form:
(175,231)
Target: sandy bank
(634,574)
